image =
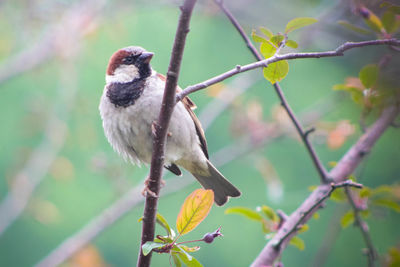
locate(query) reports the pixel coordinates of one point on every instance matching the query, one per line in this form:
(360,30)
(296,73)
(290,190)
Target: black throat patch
(125,94)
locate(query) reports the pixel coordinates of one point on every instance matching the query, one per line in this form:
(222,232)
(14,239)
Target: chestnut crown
(133,60)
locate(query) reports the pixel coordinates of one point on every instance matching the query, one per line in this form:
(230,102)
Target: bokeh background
(60,169)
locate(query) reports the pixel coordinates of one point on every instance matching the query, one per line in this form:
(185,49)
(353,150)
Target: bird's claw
(146,190)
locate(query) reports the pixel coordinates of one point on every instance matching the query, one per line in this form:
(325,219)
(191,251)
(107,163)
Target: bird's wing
(190,106)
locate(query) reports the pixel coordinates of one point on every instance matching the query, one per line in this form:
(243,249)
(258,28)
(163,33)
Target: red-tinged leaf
(246,212)
(189,249)
(297,242)
(347,219)
(297,23)
(195,208)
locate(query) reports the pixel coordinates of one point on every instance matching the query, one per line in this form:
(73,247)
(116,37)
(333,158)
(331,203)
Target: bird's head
(128,64)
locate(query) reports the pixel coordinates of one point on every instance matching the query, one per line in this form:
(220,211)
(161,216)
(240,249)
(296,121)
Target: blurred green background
(52,140)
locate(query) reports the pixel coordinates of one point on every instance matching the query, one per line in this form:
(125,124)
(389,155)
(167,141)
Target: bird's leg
(146,189)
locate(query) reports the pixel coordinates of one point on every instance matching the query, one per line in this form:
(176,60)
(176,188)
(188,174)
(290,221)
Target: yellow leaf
(195,208)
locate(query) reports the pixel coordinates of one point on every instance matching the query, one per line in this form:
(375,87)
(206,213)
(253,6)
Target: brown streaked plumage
(130,105)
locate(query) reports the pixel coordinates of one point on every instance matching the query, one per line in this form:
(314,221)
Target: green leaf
(275,72)
(369,75)
(347,219)
(316,215)
(298,23)
(365,214)
(312,188)
(194,210)
(297,242)
(149,246)
(266,31)
(357,97)
(246,212)
(387,203)
(354,27)
(163,239)
(365,192)
(267,49)
(292,44)
(277,39)
(270,213)
(266,226)
(257,38)
(383,189)
(338,195)
(389,21)
(304,228)
(163,222)
(187,259)
(332,163)
(395,9)
(176,260)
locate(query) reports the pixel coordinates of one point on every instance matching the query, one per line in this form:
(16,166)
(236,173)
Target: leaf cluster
(193,211)
(272,43)
(269,220)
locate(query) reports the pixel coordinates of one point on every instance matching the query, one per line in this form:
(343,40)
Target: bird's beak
(145,57)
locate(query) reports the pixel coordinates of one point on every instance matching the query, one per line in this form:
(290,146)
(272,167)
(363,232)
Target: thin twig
(340,172)
(315,206)
(304,135)
(362,225)
(157,160)
(259,64)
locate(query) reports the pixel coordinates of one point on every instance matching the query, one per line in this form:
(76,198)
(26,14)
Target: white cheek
(123,74)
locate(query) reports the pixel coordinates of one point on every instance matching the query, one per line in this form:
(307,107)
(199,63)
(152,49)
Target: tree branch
(362,225)
(157,160)
(340,172)
(304,135)
(239,69)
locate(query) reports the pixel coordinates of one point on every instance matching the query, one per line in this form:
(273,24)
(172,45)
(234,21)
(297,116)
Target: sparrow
(129,106)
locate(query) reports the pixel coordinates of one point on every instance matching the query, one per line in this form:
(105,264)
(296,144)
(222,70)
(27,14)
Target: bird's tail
(219,184)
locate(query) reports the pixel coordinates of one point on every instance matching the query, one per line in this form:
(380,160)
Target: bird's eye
(130,59)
